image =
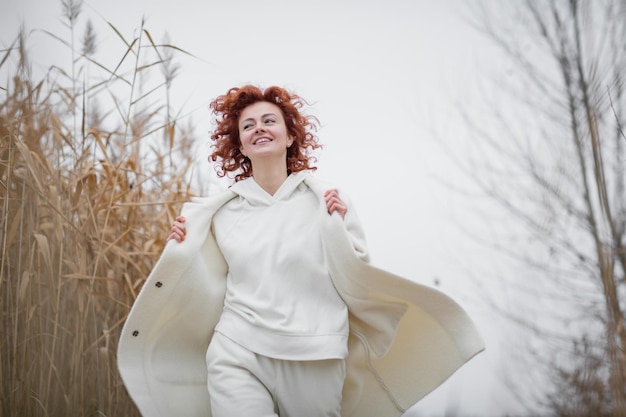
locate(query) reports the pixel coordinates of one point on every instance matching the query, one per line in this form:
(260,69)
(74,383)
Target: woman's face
(262,131)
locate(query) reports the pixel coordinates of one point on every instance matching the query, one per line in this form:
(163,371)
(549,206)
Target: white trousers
(244,384)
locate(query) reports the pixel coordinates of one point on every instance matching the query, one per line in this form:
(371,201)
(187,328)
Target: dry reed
(85,211)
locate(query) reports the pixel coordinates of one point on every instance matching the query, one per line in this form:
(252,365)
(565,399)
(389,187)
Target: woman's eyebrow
(251,119)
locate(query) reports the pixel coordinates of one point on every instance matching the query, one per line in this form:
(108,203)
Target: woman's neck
(271,177)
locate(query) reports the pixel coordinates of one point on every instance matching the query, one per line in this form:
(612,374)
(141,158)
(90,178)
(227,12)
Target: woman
(273,277)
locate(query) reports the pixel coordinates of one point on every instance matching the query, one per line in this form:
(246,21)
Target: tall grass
(85,212)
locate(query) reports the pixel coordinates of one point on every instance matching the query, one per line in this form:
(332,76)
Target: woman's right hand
(178,230)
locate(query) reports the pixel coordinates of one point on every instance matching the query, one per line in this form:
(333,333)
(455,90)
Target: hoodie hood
(252,192)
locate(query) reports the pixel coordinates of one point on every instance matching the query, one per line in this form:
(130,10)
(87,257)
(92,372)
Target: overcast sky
(383,77)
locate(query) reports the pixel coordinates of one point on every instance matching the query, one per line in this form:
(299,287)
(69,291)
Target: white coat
(405,338)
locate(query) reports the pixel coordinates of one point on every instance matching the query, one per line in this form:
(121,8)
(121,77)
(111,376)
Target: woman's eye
(270,121)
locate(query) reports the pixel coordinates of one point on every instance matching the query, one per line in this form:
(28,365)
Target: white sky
(382,77)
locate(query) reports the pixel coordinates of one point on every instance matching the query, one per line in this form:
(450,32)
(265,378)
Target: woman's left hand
(334,203)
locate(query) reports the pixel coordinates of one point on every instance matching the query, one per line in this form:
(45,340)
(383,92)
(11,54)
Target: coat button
(159,284)
(136,333)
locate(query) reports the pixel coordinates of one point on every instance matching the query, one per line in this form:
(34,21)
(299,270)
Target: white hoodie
(280,301)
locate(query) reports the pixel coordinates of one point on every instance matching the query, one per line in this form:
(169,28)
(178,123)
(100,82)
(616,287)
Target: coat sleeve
(406,338)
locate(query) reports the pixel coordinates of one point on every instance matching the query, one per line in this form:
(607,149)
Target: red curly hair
(228,107)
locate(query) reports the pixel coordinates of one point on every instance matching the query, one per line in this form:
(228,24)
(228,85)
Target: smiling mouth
(261,140)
